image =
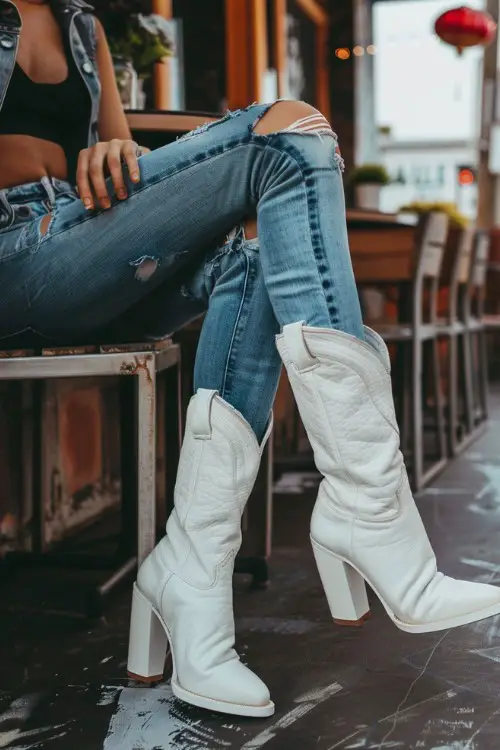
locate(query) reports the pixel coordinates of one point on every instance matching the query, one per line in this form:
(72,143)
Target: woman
(138,253)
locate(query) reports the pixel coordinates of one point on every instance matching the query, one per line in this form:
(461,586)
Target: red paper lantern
(465,27)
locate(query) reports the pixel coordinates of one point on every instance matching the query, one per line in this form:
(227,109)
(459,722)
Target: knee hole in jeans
(293,117)
(44,224)
(145,267)
(250,228)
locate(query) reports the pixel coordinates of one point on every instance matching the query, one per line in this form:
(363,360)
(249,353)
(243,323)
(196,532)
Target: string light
(342,53)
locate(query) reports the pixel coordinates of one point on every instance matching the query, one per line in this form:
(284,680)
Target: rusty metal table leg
(173,428)
(146,457)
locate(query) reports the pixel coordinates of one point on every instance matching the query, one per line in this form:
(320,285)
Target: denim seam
(235,328)
(212,264)
(321,257)
(231,145)
(236,244)
(17,252)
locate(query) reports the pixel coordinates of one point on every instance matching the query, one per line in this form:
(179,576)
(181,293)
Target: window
(440,175)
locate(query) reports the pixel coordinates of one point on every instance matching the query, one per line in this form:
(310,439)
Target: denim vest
(78,25)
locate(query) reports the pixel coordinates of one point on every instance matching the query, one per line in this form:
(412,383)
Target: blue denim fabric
(155,261)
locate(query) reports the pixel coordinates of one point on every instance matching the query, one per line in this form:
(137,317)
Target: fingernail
(87,203)
(135,176)
(106,203)
(122,194)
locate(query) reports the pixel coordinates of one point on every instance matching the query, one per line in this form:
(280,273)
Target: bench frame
(143,363)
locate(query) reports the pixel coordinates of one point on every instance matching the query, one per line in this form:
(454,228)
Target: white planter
(368,196)
(128,86)
(141,94)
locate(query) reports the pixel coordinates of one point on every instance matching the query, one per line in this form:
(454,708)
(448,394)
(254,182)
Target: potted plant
(368,179)
(457,219)
(146,40)
(457,222)
(384,133)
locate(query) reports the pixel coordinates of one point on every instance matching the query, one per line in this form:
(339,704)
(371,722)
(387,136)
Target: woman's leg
(188,577)
(88,269)
(236,353)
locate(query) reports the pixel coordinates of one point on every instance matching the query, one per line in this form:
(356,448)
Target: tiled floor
(62,683)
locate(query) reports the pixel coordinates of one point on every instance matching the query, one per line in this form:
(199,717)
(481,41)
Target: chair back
(464,258)
(478,270)
(431,235)
(430,240)
(460,245)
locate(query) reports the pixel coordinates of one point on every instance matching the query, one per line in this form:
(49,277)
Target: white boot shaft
(365,515)
(188,577)
(218,465)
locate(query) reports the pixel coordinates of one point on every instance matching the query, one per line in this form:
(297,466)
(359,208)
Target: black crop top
(56,112)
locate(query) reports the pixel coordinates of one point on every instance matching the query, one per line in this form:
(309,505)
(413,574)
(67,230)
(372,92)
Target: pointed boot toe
(184,588)
(365,525)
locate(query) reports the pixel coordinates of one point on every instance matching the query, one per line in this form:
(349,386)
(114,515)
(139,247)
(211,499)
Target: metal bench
(140,366)
(137,410)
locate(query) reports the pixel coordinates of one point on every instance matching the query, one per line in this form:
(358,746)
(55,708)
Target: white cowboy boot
(184,588)
(365,525)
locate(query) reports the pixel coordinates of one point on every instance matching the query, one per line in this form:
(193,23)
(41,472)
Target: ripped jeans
(154,262)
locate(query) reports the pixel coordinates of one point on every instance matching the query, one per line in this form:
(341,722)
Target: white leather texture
(188,576)
(365,512)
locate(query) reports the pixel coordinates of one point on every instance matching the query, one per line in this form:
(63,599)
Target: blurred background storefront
(367,64)
(229,53)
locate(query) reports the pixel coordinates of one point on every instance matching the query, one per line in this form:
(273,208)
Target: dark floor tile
(63,684)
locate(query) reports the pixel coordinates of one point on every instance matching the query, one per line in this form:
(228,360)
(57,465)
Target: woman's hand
(106,156)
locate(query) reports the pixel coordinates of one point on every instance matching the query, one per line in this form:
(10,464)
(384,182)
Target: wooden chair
(492,314)
(414,336)
(492,319)
(455,275)
(477,327)
(141,365)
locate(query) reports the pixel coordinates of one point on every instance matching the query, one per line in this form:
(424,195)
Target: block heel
(148,642)
(345,589)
